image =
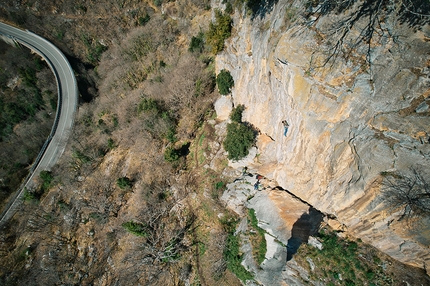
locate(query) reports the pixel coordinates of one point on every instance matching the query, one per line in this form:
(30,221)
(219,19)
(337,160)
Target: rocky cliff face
(348,122)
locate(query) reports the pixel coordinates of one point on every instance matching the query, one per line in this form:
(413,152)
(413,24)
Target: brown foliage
(79,238)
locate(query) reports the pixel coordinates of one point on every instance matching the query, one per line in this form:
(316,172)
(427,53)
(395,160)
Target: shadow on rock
(415,13)
(307,225)
(85,77)
(259,8)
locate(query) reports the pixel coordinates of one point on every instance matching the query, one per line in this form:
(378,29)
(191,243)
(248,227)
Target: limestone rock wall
(347,124)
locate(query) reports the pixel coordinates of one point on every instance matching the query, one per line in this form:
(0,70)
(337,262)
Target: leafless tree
(369,18)
(407,191)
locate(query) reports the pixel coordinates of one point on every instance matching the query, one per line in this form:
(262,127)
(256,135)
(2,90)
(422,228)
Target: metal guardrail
(10,208)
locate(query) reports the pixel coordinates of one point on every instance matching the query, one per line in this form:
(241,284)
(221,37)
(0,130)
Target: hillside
(145,193)
(28,100)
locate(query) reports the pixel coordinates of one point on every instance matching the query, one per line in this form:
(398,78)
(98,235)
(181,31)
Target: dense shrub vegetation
(25,104)
(47,179)
(29,196)
(171,154)
(258,241)
(219,31)
(197,43)
(94,49)
(236,113)
(232,254)
(46,182)
(124,182)
(240,136)
(135,228)
(225,82)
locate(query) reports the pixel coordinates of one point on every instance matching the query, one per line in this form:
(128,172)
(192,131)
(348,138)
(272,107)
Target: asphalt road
(66,107)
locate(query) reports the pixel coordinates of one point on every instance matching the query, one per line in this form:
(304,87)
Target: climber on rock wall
(286,125)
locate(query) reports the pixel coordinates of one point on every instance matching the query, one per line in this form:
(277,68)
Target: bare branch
(408,192)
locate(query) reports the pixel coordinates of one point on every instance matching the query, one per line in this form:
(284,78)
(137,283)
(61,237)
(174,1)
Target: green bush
(115,121)
(171,134)
(171,154)
(259,244)
(197,43)
(124,182)
(228,223)
(233,258)
(111,144)
(219,31)
(370,275)
(21,106)
(231,252)
(171,252)
(253,218)
(236,113)
(143,20)
(64,206)
(94,48)
(29,196)
(79,155)
(240,138)
(228,8)
(47,179)
(95,53)
(148,104)
(135,228)
(219,185)
(28,76)
(225,82)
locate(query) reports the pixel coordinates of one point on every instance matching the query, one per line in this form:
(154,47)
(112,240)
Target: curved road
(66,106)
